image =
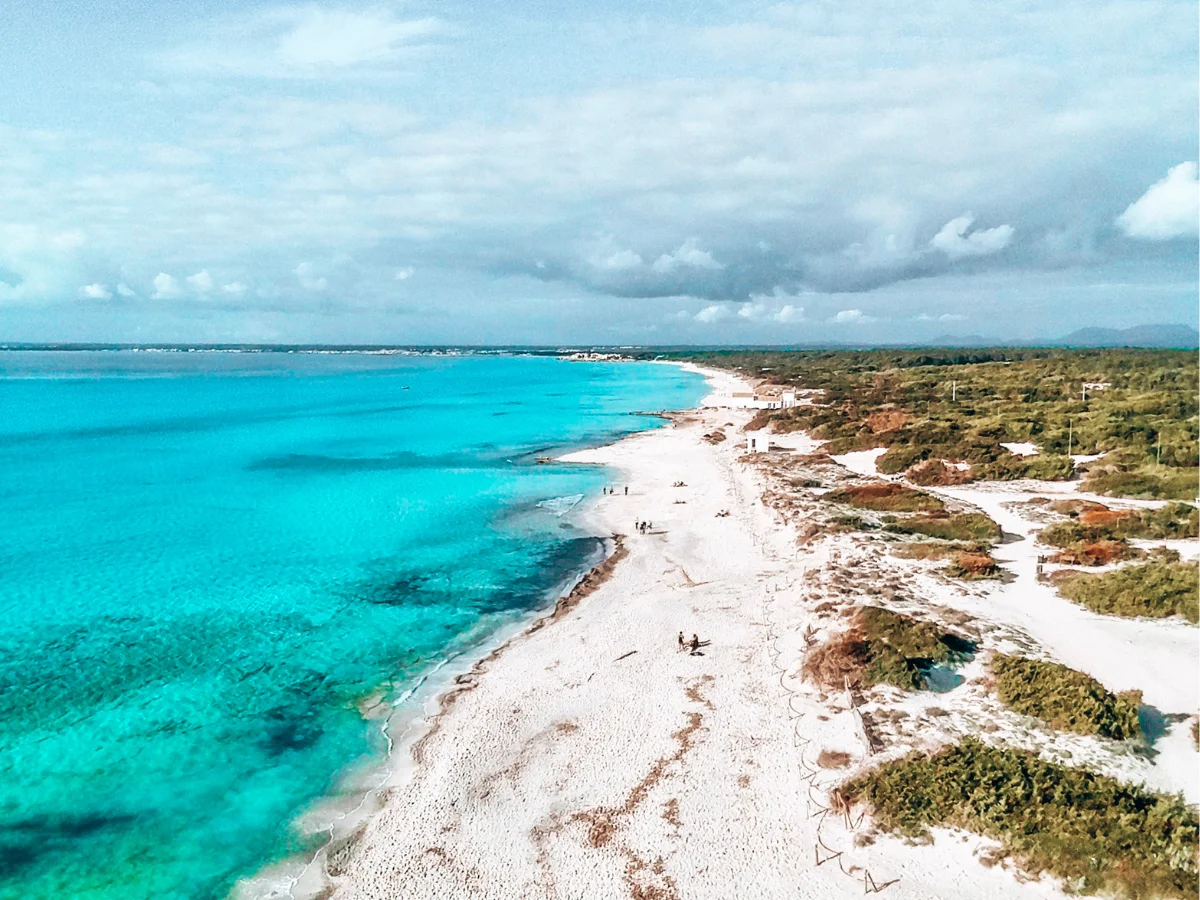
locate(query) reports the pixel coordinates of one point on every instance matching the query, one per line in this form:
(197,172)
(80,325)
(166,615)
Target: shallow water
(208,559)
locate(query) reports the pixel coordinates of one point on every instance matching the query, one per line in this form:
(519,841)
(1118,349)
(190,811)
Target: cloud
(305,42)
(1169,209)
(309,280)
(851,316)
(165,287)
(96,292)
(235,288)
(758,311)
(716,312)
(201,282)
(956,243)
(125,290)
(406,273)
(688,254)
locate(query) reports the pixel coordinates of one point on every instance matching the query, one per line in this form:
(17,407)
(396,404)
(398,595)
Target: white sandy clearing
(1020,448)
(595,760)
(863,462)
(1155,656)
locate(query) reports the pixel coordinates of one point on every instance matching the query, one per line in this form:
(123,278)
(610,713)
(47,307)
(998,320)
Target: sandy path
(595,760)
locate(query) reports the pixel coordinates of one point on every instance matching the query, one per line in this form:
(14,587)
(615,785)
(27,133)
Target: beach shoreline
(596,759)
(417,714)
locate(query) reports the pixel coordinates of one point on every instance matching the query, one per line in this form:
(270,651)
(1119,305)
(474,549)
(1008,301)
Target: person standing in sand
(682,643)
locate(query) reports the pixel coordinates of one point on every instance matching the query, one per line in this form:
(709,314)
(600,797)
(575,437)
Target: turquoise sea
(207,559)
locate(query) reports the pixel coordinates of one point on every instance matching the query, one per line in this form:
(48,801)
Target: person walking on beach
(626,490)
(682,644)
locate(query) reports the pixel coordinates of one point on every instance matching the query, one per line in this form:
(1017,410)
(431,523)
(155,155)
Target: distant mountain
(1173,336)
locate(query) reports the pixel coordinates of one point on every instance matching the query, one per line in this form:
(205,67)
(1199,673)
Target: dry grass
(833,759)
(886,496)
(839,659)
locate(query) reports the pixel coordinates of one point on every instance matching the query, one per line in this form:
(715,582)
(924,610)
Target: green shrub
(1042,466)
(1174,521)
(1065,699)
(1096,832)
(1157,589)
(1145,480)
(966,527)
(883,647)
(900,649)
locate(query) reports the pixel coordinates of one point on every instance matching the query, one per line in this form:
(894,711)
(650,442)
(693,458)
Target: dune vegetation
(1065,698)
(1164,586)
(974,527)
(886,496)
(929,405)
(884,647)
(1097,833)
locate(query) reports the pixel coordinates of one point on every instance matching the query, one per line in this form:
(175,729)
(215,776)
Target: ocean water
(207,560)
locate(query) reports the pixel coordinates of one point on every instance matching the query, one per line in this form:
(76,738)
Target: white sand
(594,760)
(1020,448)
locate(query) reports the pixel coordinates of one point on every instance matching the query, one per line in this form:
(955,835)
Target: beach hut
(758,441)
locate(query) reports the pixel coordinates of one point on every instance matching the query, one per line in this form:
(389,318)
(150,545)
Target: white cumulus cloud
(852,316)
(96,292)
(165,287)
(234,287)
(125,290)
(688,254)
(406,273)
(1169,209)
(201,281)
(955,241)
(715,312)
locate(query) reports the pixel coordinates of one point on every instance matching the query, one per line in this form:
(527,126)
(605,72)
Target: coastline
(417,714)
(596,760)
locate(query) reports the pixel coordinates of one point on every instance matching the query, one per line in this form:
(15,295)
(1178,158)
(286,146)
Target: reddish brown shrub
(937,472)
(887,420)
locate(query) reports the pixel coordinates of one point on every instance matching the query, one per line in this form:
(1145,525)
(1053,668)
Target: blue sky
(651,172)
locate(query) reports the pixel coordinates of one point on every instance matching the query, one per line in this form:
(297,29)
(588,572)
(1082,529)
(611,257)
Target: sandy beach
(591,757)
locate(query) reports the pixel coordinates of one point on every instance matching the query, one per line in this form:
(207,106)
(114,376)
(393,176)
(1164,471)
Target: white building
(758,441)
(764,398)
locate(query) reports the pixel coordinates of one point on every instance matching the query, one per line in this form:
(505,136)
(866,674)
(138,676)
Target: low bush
(1097,833)
(1094,522)
(1095,553)
(937,472)
(1041,467)
(1143,480)
(973,564)
(886,496)
(965,527)
(1065,699)
(1159,588)
(883,647)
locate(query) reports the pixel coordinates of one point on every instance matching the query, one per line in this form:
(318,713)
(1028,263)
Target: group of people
(643,527)
(693,646)
(613,491)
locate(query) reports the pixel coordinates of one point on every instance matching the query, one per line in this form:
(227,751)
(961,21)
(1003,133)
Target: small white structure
(758,441)
(770,397)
